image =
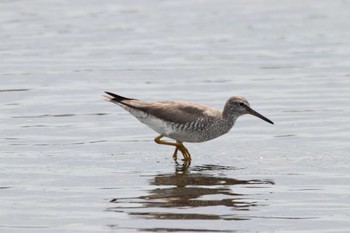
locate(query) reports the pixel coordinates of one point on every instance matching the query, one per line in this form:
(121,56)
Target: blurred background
(71,162)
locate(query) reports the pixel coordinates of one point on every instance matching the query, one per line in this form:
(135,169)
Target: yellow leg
(179,146)
(175,154)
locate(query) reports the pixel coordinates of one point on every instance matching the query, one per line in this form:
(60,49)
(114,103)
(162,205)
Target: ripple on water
(14,90)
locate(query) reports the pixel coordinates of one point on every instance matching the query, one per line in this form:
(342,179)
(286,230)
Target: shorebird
(185,121)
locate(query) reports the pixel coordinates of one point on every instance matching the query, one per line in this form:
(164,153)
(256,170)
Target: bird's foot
(179,147)
(186,154)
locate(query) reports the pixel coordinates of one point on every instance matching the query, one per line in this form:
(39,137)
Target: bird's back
(179,112)
(180,120)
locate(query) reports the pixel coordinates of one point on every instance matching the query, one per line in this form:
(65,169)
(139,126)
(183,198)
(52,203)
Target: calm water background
(71,162)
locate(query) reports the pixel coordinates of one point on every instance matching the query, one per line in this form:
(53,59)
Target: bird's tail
(111,97)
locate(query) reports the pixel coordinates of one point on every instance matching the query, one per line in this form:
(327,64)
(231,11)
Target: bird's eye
(241,104)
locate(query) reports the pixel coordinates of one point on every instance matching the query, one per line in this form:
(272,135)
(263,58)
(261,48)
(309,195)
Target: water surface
(71,162)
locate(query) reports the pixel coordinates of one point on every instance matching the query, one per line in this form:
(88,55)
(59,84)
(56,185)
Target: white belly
(154,123)
(168,129)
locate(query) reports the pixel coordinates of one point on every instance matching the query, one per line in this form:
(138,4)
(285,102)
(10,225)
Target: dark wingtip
(115,97)
(110,93)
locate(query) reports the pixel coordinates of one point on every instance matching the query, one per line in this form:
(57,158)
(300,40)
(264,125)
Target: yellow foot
(186,154)
(179,147)
(186,164)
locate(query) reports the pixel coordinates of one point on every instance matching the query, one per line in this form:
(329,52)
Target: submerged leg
(175,154)
(179,146)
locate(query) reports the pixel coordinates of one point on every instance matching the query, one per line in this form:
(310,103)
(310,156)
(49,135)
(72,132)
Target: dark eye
(241,104)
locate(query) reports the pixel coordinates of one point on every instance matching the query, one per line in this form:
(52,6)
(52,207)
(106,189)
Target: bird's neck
(229,116)
(228,120)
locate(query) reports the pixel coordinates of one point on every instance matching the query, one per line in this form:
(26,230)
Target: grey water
(71,162)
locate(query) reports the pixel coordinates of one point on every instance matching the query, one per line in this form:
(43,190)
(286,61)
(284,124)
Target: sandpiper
(185,121)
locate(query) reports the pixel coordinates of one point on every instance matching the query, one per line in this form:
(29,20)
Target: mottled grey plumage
(186,121)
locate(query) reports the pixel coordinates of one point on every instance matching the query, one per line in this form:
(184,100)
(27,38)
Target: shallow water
(71,162)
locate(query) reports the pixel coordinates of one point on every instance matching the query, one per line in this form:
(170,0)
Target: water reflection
(198,186)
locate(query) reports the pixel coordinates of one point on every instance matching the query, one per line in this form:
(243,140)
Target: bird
(185,121)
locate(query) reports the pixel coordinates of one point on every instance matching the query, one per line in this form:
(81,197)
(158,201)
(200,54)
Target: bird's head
(237,106)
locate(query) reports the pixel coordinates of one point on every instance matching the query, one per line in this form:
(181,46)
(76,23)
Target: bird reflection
(198,186)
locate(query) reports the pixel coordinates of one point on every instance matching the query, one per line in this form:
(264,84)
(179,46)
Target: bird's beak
(255,113)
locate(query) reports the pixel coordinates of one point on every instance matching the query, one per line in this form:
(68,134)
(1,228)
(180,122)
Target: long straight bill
(255,113)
